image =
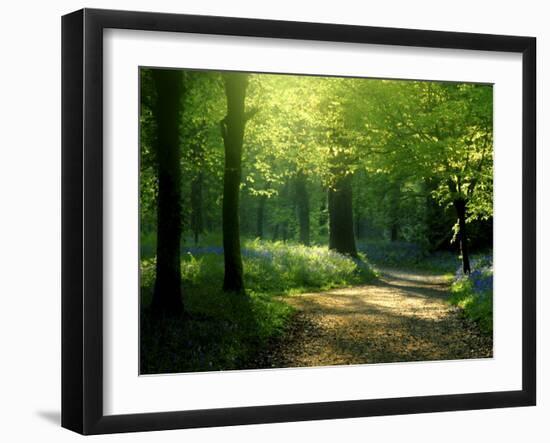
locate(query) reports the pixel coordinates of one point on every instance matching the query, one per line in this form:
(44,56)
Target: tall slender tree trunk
(340,207)
(275,232)
(232,127)
(284,231)
(196,205)
(357,222)
(460,206)
(260,215)
(393,196)
(302,206)
(393,232)
(323,213)
(167,293)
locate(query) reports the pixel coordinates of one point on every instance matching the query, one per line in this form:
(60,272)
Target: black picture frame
(82,218)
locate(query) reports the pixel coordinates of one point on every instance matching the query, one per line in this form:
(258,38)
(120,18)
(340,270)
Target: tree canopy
(321,160)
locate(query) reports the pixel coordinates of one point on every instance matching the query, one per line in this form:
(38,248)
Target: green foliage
(219,332)
(270,268)
(475,296)
(227,331)
(412,148)
(289,268)
(478,309)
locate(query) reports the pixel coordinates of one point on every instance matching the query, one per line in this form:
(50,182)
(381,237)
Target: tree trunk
(302,206)
(232,127)
(275,232)
(460,206)
(284,231)
(196,206)
(357,224)
(167,293)
(393,232)
(394,210)
(260,212)
(340,207)
(323,213)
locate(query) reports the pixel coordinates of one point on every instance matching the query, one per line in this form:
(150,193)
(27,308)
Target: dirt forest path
(403,316)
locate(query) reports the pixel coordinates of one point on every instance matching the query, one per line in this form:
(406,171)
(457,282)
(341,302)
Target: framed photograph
(269,221)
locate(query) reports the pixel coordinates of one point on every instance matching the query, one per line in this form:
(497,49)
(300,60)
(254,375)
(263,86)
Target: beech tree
(438,136)
(167,295)
(232,129)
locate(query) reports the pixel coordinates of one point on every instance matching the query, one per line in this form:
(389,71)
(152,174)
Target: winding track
(404,316)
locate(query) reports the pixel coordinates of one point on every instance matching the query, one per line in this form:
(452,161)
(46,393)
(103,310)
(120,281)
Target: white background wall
(30,219)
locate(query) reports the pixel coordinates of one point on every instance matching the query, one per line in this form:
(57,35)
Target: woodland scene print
(297,221)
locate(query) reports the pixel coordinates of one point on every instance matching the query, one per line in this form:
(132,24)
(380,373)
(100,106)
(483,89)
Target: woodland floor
(403,316)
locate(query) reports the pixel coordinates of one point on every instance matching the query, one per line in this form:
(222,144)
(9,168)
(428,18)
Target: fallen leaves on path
(402,317)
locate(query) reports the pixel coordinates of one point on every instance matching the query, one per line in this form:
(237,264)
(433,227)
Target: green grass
(228,331)
(279,268)
(221,332)
(476,306)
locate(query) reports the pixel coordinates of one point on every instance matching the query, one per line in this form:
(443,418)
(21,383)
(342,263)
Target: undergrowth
(226,331)
(474,292)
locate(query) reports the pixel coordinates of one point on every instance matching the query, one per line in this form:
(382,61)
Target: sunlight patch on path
(402,317)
